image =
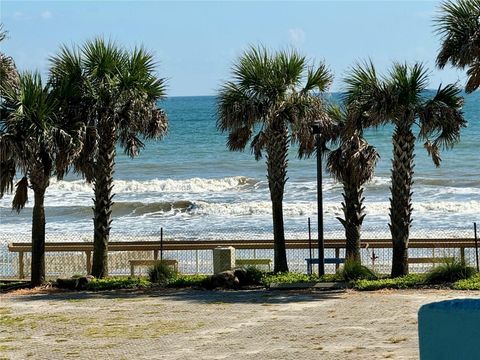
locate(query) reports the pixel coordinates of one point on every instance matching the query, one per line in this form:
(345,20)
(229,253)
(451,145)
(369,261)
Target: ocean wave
(193,185)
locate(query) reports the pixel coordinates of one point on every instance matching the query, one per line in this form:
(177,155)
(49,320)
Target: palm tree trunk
(103,185)
(401,200)
(353,211)
(38,230)
(277,149)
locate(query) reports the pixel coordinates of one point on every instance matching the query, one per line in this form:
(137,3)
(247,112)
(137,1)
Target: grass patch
(449,271)
(113,283)
(7,320)
(139,331)
(181,281)
(402,282)
(472,283)
(293,277)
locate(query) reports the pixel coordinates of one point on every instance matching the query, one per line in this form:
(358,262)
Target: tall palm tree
(401,98)
(458,25)
(33,140)
(276,96)
(353,164)
(115,93)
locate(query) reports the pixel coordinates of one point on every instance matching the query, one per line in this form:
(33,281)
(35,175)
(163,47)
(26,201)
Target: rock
(75,283)
(242,275)
(224,279)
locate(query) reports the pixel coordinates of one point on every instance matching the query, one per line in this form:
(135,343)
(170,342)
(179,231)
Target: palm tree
(402,99)
(353,164)
(272,95)
(459,27)
(35,141)
(115,93)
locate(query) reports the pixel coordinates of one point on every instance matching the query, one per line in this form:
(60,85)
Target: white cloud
(46,14)
(297,36)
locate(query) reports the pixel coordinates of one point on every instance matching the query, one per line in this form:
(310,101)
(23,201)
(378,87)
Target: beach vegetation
(118,282)
(459,29)
(451,270)
(401,282)
(183,281)
(114,92)
(295,277)
(353,164)
(401,98)
(161,273)
(471,283)
(272,102)
(354,270)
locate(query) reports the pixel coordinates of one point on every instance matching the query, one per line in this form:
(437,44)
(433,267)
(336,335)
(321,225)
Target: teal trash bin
(450,330)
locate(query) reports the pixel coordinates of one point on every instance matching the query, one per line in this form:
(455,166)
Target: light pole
(321,246)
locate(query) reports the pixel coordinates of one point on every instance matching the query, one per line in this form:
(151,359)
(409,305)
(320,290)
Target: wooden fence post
(21,273)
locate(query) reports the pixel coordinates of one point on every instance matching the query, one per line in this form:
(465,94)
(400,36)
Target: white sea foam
(330,208)
(193,185)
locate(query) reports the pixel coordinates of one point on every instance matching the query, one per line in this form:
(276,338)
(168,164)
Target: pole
(309,239)
(476,243)
(161,244)
(321,255)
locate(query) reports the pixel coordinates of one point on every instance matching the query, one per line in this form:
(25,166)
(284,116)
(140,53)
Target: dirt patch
(190,324)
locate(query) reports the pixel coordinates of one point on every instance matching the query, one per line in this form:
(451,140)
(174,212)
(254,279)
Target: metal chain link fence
(201,262)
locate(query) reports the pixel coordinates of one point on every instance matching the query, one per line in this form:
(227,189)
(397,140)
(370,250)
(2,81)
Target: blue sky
(197,42)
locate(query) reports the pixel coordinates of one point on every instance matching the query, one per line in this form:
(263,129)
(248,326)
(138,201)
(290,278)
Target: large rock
(224,279)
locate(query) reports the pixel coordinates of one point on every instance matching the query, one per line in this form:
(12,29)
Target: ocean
(189,181)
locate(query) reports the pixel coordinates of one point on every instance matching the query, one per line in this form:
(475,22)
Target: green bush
(402,282)
(449,271)
(288,278)
(161,273)
(112,283)
(293,277)
(181,281)
(354,270)
(472,283)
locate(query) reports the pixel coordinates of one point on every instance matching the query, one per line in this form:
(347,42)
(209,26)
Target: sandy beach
(257,324)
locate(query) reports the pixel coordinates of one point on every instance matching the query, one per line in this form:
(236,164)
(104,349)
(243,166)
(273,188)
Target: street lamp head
(316,127)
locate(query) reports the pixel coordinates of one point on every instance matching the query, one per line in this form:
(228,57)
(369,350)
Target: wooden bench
(312,261)
(254,262)
(141,262)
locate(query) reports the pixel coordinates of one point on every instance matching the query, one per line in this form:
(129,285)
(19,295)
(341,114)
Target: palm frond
(7,174)
(318,79)
(238,138)
(441,118)
(21,195)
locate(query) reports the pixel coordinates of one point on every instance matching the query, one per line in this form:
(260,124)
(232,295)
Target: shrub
(112,283)
(161,273)
(472,283)
(354,270)
(288,278)
(181,281)
(402,282)
(449,271)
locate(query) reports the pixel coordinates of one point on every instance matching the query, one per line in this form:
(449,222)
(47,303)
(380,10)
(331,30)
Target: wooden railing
(195,245)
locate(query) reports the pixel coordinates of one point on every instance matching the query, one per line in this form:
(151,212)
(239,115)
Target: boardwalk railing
(68,258)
